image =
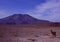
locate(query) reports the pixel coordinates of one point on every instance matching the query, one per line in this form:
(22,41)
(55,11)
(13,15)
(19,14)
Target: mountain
(21,19)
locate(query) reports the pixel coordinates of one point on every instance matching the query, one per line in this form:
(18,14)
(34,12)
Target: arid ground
(14,33)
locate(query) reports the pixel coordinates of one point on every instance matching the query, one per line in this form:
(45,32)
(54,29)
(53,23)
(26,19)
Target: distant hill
(21,19)
(54,24)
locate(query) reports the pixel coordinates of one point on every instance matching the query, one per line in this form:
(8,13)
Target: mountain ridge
(24,19)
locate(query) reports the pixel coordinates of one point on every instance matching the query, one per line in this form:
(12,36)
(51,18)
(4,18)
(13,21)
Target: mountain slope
(21,19)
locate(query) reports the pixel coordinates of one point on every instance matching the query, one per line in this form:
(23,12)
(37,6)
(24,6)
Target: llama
(53,33)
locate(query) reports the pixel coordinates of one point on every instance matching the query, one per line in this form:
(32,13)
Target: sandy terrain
(18,34)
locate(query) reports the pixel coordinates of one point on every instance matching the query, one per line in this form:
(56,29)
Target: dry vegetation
(17,33)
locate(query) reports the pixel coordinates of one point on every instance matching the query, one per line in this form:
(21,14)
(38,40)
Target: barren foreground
(30,34)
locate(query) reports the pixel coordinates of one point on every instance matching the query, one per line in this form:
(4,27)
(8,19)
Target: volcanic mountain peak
(21,19)
(20,15)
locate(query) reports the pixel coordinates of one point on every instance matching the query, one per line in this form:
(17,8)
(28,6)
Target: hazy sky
(41,9)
